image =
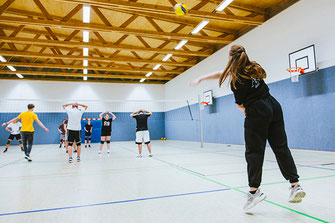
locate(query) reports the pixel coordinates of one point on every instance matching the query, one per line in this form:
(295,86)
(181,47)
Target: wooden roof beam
(159,9)
(104,28)
(109,69)
(81,75)
(94,59)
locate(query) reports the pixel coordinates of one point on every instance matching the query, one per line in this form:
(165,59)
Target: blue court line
(113,202)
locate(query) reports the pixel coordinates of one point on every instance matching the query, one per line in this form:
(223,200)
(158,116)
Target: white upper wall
(305,23)
(49,96)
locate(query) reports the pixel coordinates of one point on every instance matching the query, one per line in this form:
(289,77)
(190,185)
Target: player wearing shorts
(106,129)
(142,132)
(14,129)
(27,130)
(61,130)
(74,127)
(88,132)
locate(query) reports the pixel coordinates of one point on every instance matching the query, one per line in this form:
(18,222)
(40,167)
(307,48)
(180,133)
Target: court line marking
(236,189)
(112,202)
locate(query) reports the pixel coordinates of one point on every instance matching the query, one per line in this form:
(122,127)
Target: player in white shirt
(14,129)
(74,127)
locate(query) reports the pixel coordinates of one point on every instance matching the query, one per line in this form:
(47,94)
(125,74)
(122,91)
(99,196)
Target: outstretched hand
(3,124)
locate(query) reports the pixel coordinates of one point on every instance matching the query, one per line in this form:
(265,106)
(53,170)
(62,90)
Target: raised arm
(7,123)
(209,76)
(100,116)
(64,106)
(84,106)
(147,112)
(111,113)
(41,124)
(134,113)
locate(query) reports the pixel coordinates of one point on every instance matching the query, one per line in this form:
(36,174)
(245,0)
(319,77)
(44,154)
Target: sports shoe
(89,145)
(75,151)
(85,146)
(108,151)
(99,152)
(78,159)
(28,158)
(253,199)
(60,146)
(139,156)
(5,150)
(70,160)
(150,155)
(297,194)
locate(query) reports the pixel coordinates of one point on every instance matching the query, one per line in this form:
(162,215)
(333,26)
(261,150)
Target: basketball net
(295,72)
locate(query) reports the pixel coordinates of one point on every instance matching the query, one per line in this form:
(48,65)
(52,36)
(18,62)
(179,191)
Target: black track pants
(264,121)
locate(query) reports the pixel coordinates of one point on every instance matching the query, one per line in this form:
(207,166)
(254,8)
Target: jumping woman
(263,121)
(106,129)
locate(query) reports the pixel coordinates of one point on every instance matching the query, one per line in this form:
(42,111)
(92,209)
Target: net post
(200,121)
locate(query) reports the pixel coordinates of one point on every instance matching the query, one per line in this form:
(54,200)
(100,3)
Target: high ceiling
(43,39)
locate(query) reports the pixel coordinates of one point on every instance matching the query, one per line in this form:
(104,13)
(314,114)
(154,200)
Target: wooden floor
(181,183)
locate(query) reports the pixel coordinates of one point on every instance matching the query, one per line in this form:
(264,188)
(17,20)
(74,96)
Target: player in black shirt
(88,132)
(142,132)
(264,121)
(106,129)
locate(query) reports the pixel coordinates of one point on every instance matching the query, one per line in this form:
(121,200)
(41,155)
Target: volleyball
(180,9)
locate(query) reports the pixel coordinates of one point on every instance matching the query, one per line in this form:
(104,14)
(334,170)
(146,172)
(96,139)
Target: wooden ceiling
(43,39)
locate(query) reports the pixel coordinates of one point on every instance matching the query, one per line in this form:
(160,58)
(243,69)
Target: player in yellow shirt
(27,130)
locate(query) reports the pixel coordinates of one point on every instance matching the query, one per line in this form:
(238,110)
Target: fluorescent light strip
(223,5)
(181,44)
(157,66)
(199,27)
(85,78)
(85,52)
(148,74)
(86,36)
(142,80)
(86,14)
(85,63)
(167,57)
(19,75)
(85,71)
(11,68)
(2,59)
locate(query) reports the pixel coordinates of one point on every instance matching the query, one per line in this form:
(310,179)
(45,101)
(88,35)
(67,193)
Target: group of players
(70,130)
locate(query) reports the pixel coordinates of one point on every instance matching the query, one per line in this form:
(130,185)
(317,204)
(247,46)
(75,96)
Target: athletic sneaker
(70,160)
(253,199)
(60,146)
(75,151)
(150,155)
(89,145)
(5,150)
(139,156)
(108,151)
(297,194)
(85,146)
(99,152)
(78,159)
(29,159)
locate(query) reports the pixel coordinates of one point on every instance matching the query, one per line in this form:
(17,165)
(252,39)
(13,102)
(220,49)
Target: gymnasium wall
(307,105)
(122,99)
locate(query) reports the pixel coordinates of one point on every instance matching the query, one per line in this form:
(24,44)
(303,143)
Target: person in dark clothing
(142,132)
(263,121)
(61,129)
(88,132)
(106,129)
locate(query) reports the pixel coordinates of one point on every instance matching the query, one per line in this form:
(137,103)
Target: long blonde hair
(240,65)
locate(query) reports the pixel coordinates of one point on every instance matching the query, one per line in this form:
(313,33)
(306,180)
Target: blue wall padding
(308,106)
(123,127)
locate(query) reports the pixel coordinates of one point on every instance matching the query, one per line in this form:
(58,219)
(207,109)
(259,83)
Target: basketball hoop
(295,72)
(203,104)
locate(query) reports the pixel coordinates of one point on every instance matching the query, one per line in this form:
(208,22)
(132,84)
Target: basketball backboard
(208,97)
(304,58)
